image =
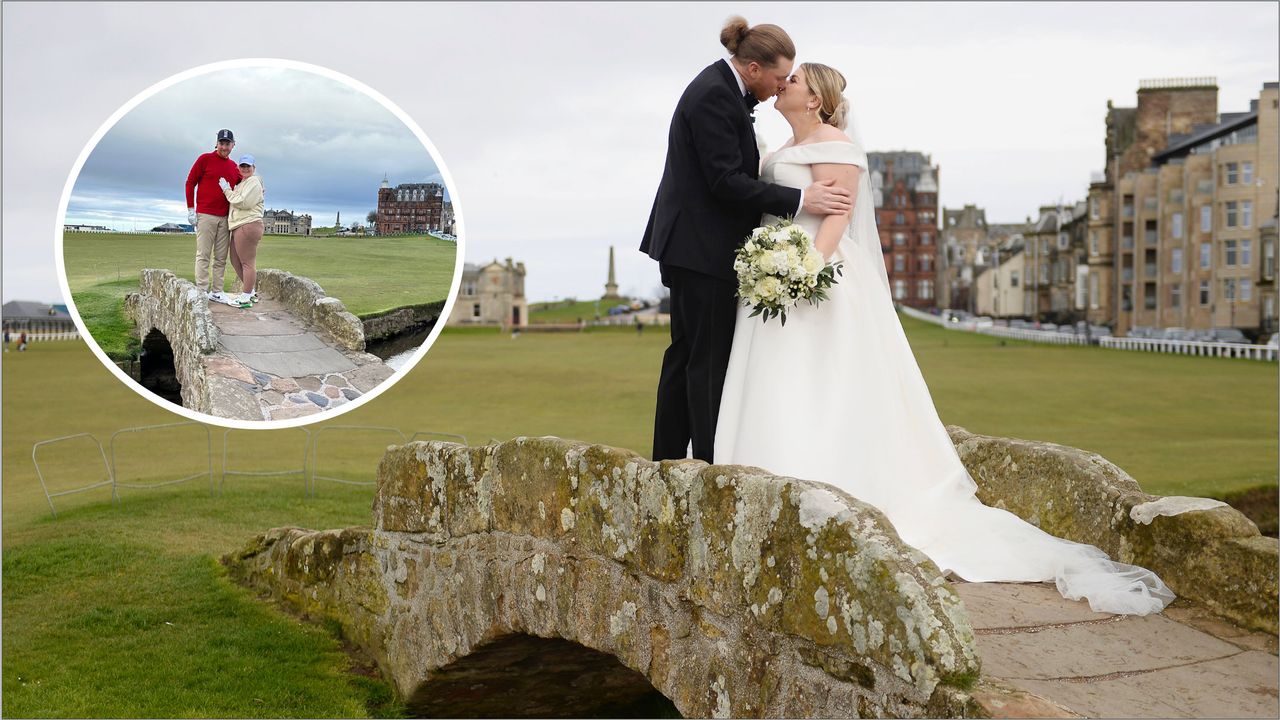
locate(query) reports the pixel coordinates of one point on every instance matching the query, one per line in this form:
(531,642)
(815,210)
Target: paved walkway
(282,367)
(1044,656)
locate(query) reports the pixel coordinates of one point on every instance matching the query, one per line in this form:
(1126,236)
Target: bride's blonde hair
(827,83)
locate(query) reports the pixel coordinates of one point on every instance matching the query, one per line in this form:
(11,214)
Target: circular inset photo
(259,243)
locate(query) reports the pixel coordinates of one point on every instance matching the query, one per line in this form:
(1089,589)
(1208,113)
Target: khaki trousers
(212,239)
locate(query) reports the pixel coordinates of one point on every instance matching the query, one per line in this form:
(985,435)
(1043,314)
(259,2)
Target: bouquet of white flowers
(778,267)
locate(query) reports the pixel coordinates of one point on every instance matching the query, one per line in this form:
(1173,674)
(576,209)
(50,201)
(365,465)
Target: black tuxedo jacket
(711,197)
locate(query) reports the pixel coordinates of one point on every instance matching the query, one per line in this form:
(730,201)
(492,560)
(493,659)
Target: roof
(19,309)
(1228,122)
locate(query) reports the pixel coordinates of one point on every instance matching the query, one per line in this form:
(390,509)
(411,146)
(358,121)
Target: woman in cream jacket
(245,223)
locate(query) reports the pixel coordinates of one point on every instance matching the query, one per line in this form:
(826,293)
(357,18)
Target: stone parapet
(1203,549)
(305,299)
(735,593)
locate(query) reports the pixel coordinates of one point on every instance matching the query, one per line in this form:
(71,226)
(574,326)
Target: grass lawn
(369,274)
(108,605)
(569,311)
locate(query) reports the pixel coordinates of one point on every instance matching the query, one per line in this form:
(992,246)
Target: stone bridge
(541,577)
(297,352)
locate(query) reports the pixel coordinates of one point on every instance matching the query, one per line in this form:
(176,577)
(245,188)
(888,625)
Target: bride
(836,395)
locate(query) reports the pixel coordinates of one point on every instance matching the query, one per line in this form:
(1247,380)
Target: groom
(709,200)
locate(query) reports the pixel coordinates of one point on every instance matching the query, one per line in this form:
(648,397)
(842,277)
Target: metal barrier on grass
(306,452)
(105,466)
(145,428)
(315,445)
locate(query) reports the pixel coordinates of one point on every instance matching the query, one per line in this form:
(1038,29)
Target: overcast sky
(320,146)
(552,119)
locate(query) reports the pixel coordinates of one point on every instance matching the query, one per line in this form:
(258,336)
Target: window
(1246,213)
(1175,260)
(475,310)
(1233,173)
(1093,291)
(1246,253)
(1204,292)
(1246,290)
(924,289)
(1063,241)
(899,263)
(1229,289)
(899,238)
(1229,248)
(926,239)
(1206,255)
(1176,225)
(1149,296)
(1093,242)
(1093,210)
(1206,218)
(1013,278)
(924,263)
(469,288)
(899,219)
(1231,214)
(899,289)
(1247,173)
(1175,296)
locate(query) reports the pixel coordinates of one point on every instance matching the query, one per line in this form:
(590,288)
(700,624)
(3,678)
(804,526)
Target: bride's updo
(828,84)
(762,44)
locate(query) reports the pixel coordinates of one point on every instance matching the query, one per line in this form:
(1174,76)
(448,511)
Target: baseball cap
(247,160)
(225,134)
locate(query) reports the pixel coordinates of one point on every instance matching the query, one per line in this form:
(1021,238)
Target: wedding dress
(836,396)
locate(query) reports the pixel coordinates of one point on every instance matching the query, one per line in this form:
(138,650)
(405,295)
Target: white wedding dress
(836,396)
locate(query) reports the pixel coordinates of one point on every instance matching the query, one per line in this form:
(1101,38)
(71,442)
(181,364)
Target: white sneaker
(245,300)
(253,297)
(215,297)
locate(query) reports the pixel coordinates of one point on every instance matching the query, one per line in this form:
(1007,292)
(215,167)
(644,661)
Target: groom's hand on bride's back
(824,197)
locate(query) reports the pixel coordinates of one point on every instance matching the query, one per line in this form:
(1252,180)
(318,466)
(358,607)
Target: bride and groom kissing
(835,395)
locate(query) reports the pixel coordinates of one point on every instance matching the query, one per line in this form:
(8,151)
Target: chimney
(888,173)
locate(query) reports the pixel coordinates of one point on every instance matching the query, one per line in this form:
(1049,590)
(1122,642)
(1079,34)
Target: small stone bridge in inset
(296,352)
(541,577)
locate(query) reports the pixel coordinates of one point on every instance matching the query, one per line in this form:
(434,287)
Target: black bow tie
(750,101)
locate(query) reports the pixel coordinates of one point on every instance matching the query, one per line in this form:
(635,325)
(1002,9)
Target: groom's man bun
(762,44)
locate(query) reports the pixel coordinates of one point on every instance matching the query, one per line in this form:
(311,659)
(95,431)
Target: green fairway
(571,310)
(88,598)
(369,274)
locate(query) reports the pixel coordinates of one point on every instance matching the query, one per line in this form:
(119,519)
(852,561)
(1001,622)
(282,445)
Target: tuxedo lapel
(726,76)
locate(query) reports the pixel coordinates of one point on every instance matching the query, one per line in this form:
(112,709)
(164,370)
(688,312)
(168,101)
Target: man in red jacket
(207,209)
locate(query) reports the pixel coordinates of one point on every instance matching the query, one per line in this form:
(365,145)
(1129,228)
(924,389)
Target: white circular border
(292,65)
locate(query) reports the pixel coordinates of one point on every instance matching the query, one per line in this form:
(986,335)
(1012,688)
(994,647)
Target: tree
(372,217)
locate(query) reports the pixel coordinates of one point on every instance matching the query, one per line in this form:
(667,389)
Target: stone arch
(733,592)
(518,675)
(157,369)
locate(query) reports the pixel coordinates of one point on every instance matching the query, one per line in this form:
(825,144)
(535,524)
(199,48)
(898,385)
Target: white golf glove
(191,216)
(222,183)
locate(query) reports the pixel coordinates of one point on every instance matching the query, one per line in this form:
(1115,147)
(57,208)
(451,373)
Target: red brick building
(410,208)
(906,195)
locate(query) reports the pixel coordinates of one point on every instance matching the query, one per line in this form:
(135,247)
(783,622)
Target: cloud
(321,147)
(552,118)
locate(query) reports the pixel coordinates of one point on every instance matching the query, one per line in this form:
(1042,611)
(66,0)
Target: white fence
(41,336)
(1180,347)
(1191,347)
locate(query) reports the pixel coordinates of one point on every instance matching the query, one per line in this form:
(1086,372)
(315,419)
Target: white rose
(766,263)
(749,247)
(812,263)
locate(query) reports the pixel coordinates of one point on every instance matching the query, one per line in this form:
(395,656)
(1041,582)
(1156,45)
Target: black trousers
(703,310)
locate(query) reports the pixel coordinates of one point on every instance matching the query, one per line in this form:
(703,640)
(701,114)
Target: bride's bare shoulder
(831,133)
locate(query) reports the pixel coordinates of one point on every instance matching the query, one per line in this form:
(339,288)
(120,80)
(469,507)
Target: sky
(552,119)
(320,147)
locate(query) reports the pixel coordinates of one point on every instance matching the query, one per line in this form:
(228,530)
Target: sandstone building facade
(491,294)
(284,222)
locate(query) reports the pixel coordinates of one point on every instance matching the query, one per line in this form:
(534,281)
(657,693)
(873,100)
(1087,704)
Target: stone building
(964,243)
(491,294)
(447,224)
(906,193)
(410,208)
(1177,217)
(999,290)
(1055,251)
(284,222)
